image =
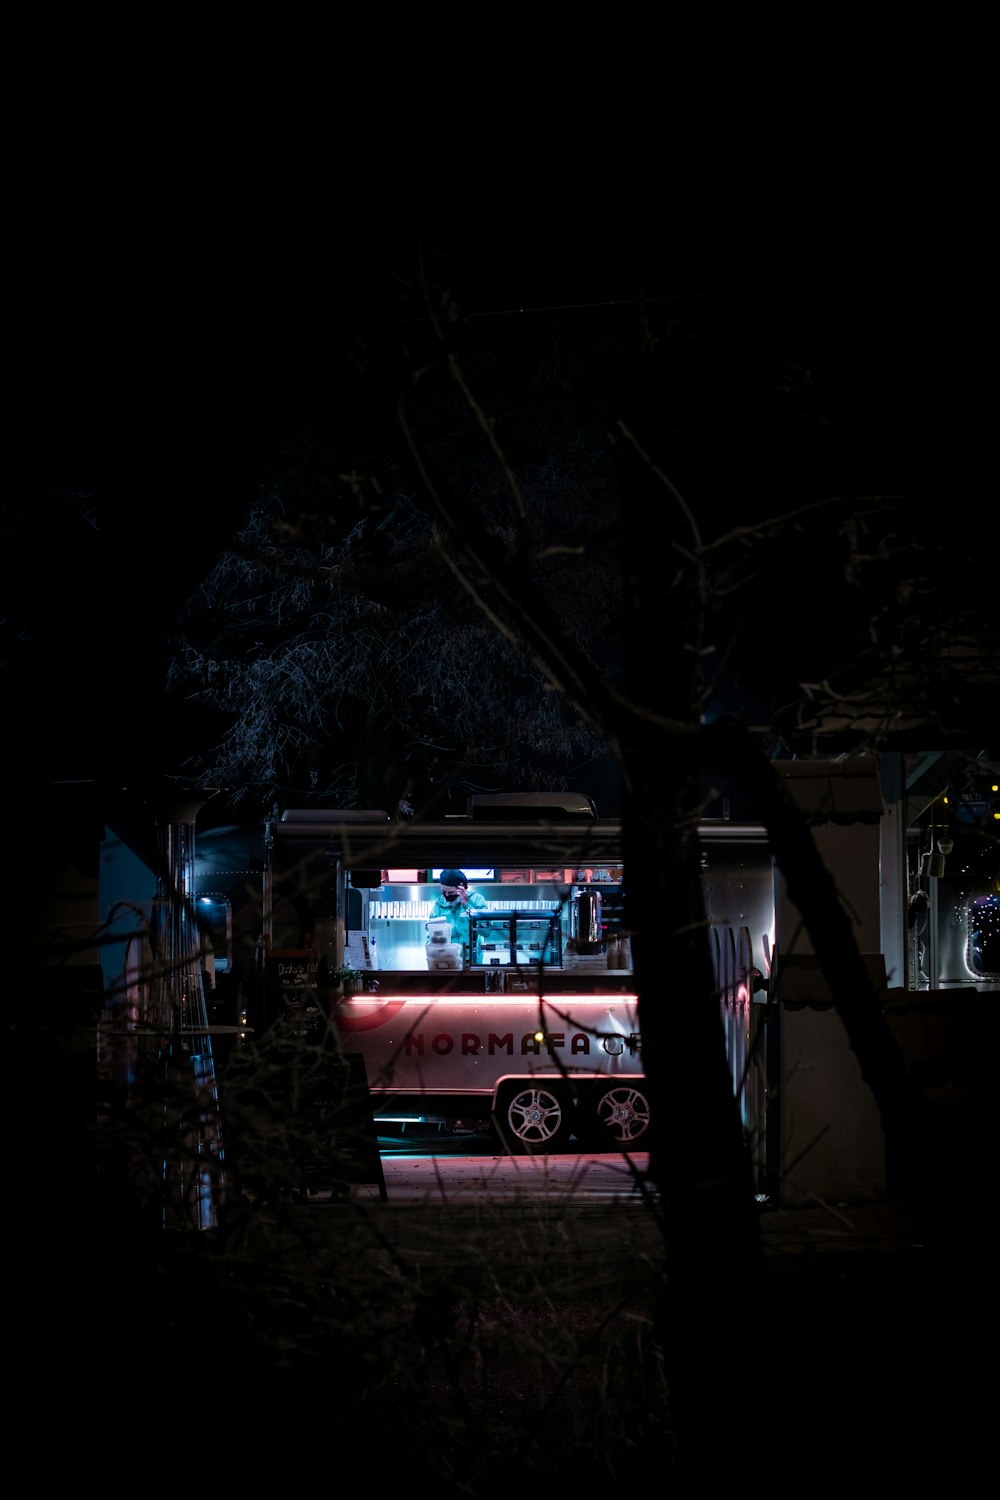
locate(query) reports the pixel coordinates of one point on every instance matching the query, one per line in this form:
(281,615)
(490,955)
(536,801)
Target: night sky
(148,405)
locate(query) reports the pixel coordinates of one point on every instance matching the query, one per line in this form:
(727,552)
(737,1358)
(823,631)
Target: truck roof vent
(513,807)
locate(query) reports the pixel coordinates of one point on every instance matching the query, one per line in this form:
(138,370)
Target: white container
(444,955)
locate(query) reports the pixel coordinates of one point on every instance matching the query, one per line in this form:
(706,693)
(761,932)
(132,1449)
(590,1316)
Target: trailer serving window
(532,915)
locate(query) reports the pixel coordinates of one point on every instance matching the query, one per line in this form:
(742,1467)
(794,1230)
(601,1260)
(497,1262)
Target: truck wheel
(532,1119)
(623,1113)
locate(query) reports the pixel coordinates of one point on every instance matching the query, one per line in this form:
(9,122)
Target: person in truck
(455,901)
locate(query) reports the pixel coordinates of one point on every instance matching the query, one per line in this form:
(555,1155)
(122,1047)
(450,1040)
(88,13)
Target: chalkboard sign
(333,1108)
(311,1119)
(291,976)
(360,1161)
(293,968)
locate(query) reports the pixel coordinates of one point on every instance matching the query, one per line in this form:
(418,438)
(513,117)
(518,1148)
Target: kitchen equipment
(585,921)
(506,939)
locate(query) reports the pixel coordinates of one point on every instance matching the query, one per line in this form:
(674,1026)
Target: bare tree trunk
(699,1158)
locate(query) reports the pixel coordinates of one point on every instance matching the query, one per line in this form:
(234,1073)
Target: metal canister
(585,922)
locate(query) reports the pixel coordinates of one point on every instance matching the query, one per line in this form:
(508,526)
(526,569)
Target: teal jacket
(459,916)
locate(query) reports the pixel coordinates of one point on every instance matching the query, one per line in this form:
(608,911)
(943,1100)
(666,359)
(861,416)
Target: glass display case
(504,939)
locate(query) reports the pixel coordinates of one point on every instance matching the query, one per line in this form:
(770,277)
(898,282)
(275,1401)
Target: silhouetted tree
(341,638)
(339,596)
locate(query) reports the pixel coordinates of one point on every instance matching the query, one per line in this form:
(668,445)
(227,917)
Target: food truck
(531,1022)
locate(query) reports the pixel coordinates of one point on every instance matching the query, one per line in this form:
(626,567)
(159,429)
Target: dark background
(152,394)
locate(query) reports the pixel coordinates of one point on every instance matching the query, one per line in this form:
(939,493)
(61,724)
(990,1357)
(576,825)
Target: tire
(622,1113)
(533,1118)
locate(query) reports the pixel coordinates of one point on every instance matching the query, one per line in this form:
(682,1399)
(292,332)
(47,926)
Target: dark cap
(453,877)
